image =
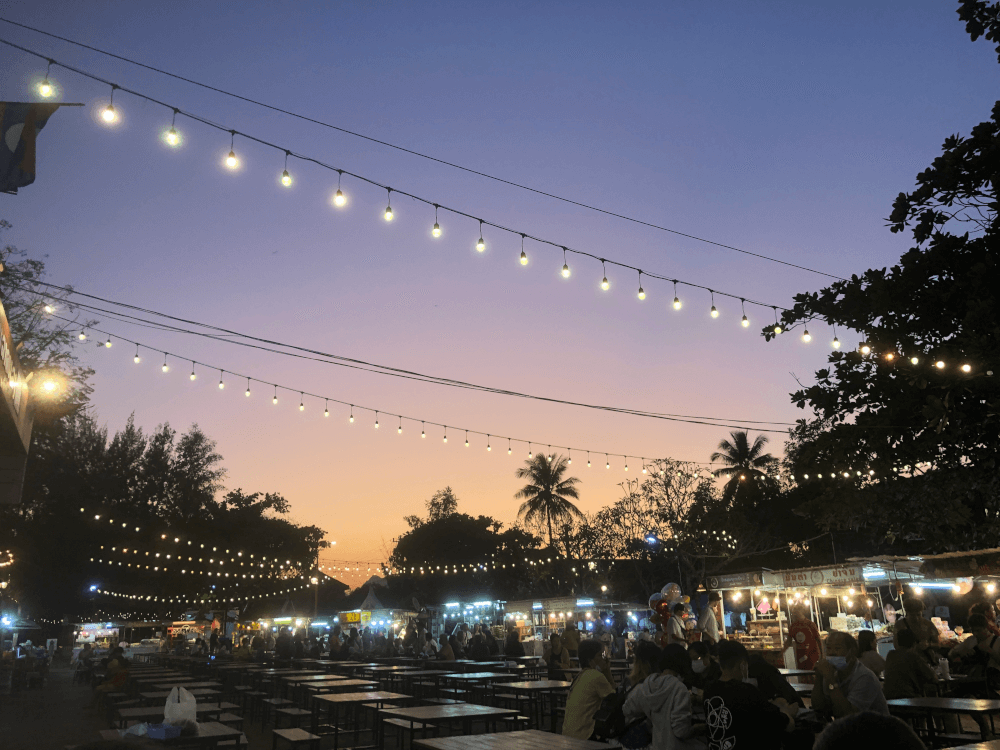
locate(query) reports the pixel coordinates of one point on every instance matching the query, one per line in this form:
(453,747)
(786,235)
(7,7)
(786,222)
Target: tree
(443,503)
(929,436)
(746,465)
(547,494)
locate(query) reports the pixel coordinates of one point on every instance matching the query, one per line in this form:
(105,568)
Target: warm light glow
(248,396)
(231,161)
(193,376)
(966,368)
(172,137)
(49,386)
(745,322)
(165,367)
(822,592)
(82,336)
(275,400)
(806,336)
(890,356)
(286,179)
(136,359)
(914,360)
(49,309)
(107,344)
(939,364)
(865,349)
(677,303)
(45,88)
(715,312)
(524,258)
(481,245)
(642,293)
(991,587)
(388,213)
(221,384)
(109,114)
(777,330)
(605,284)
(436,230)
(835,343)
(338,198)
(565,271)
(870,602)
(302,407)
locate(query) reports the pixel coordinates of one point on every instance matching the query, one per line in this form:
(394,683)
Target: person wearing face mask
(843,684)
(736,712)
(704,669)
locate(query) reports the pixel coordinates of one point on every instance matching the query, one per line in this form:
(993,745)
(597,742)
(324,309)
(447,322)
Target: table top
(988,745)
(206,729)
(337,684)
(316,678)
(188,685)
(396,668)
(530,739)
(538,685)
(448,711)
(157,711)
(476,676)
(950,705)
(197,693)
(796,672)
(374,695)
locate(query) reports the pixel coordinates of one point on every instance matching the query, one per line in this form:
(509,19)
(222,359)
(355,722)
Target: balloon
(686,599)
(671,591)
(655,619)
(654,599)
(663,608)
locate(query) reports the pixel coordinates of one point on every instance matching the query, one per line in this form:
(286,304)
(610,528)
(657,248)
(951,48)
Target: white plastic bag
(181,707)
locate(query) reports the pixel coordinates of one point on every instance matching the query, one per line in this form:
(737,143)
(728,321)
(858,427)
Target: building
(16,418)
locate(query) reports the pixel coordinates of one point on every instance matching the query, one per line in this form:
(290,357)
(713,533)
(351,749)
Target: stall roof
(959,564)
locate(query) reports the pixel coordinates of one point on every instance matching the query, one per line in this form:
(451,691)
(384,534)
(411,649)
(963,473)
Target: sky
(783,129)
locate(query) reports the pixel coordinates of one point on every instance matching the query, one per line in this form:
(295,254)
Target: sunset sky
(783,129)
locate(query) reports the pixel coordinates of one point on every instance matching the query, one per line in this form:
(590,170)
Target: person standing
(675,627)
(571,639)
(708,622)
(805,639)
(213,641)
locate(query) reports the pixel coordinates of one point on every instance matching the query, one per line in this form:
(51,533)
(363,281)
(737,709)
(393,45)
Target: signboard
(366,619)
(841,575)
(734,581)
(351,618)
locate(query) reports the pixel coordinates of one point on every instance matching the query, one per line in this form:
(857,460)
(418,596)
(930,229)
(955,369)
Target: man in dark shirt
(283,646)
(736,712)
(907,672)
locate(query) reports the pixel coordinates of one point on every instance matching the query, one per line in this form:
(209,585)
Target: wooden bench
(294,716)
(404,726)
(294,737)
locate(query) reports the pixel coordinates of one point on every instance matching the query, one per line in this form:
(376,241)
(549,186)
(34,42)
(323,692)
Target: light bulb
(376,423)
(481,245)
(607,465)
(890,356)
(193,376)
(604,284)
(45,88)
(172,137)
(231,160)
(488,446)
(777,329)
(914,360)
(677,303)
(82,336)
(388,213)
(467,442)
(107,344)
(165,367)
(939,364)
(745,322)
(714,312)
(806,336)
(351,420)
(966,368)
(274,400)
(338,198)
(302,407)
(835,343)
(399,430)
(642,293)
(221,384)
(436,230)
(136,359)
(248,393)
(865,349)
(109,114)
(445,440)
(565,271)
(530,455)
(524,258)
(286,179)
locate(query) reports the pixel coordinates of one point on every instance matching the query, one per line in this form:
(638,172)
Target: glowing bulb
(351,420)
(806,336)
(865,349)
(677,303)
(423,434)
(107,344)
(777,330)
(193,376)
(488,446)
(890,356)
(231,160)
(248,395)
(172,137)
(45,88)
(939,364)
(221,384)
(445,439)
(82,336)
(275,400)
(966,368)
(607,465)
(524,258)
(436,231)
(835,343)
(302,407)
(481,245)
(914,360)
(565,271)
(109,114)
(338,198)
(165,367)
(530,455)
(286,179)
(136,359)
(605,285)
(745,322)
(399,430)
(388,213)
(715,312)
(467,442)
(376,423)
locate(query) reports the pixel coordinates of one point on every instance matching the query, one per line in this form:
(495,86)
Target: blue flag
(19,126)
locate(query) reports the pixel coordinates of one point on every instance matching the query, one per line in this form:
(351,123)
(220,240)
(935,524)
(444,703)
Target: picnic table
(537,687)
(465,713)
(926,706)
(796,672)
(164,694)
(154,714)
(338,686)
(332,703)
(210,734)
(188,685)
(528,739)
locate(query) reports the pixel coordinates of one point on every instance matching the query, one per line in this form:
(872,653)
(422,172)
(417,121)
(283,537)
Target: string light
(275,399)
(569,458)
(605,285)
(966,368)
(422,433)
(165,367)
(745,322)
(488,446)
(565,268)
(107,344)
(836,342)
(939,364)
(221,384)
(509,450)
(914,360)
(806,336)
(326,408)
(436,229)
(466,438)
(388,208)
(445,434)
(588,459)
(677,300)
(777,326)
(376,420)
(866,349)
(714,313)
(481,244)
(530,454)
(338,198)
(110,115)
(45,89)
(524,257)
(82,336)
(302,404)
(608,460)
(626,463)
(136,358)
(286,179)
(193,376)
(231,161)
(351,419)
(172,137)
(641,293)
(248,389)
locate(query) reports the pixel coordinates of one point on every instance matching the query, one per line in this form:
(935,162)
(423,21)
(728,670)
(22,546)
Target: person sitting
(447,651)
(867,654)
(989,612)
(590,688)
(556,658)
(513,647)
(907,672)
(982,648)
(478,650)
(117,676)
(664,700)
(771,683)
(646,656)
(736,712)
(927,633)
(430,647)
(868,730)
(242,652)
(491,642)
(704,668)
(843,684)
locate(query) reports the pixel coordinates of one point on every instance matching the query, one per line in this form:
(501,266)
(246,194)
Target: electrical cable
(438,160)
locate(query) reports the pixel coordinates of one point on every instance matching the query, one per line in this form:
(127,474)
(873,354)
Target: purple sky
(783,129)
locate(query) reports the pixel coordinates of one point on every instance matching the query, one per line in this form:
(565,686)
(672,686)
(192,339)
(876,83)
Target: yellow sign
(350,618)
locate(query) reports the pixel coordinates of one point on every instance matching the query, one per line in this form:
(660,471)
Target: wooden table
(465,713)
(924,706)
(154,714)
(210,734)
(334,701)
(988,745)
(538,687)
(796,672)
(529,739)
(164,694)
(188,685)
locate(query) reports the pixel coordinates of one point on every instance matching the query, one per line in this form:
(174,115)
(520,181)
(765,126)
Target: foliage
(158,483)
(930,435)
(46,343)
(442,503)
(547,494)
(746,466)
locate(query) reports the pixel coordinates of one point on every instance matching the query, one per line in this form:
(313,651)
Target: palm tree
(745,464)
(546,494)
